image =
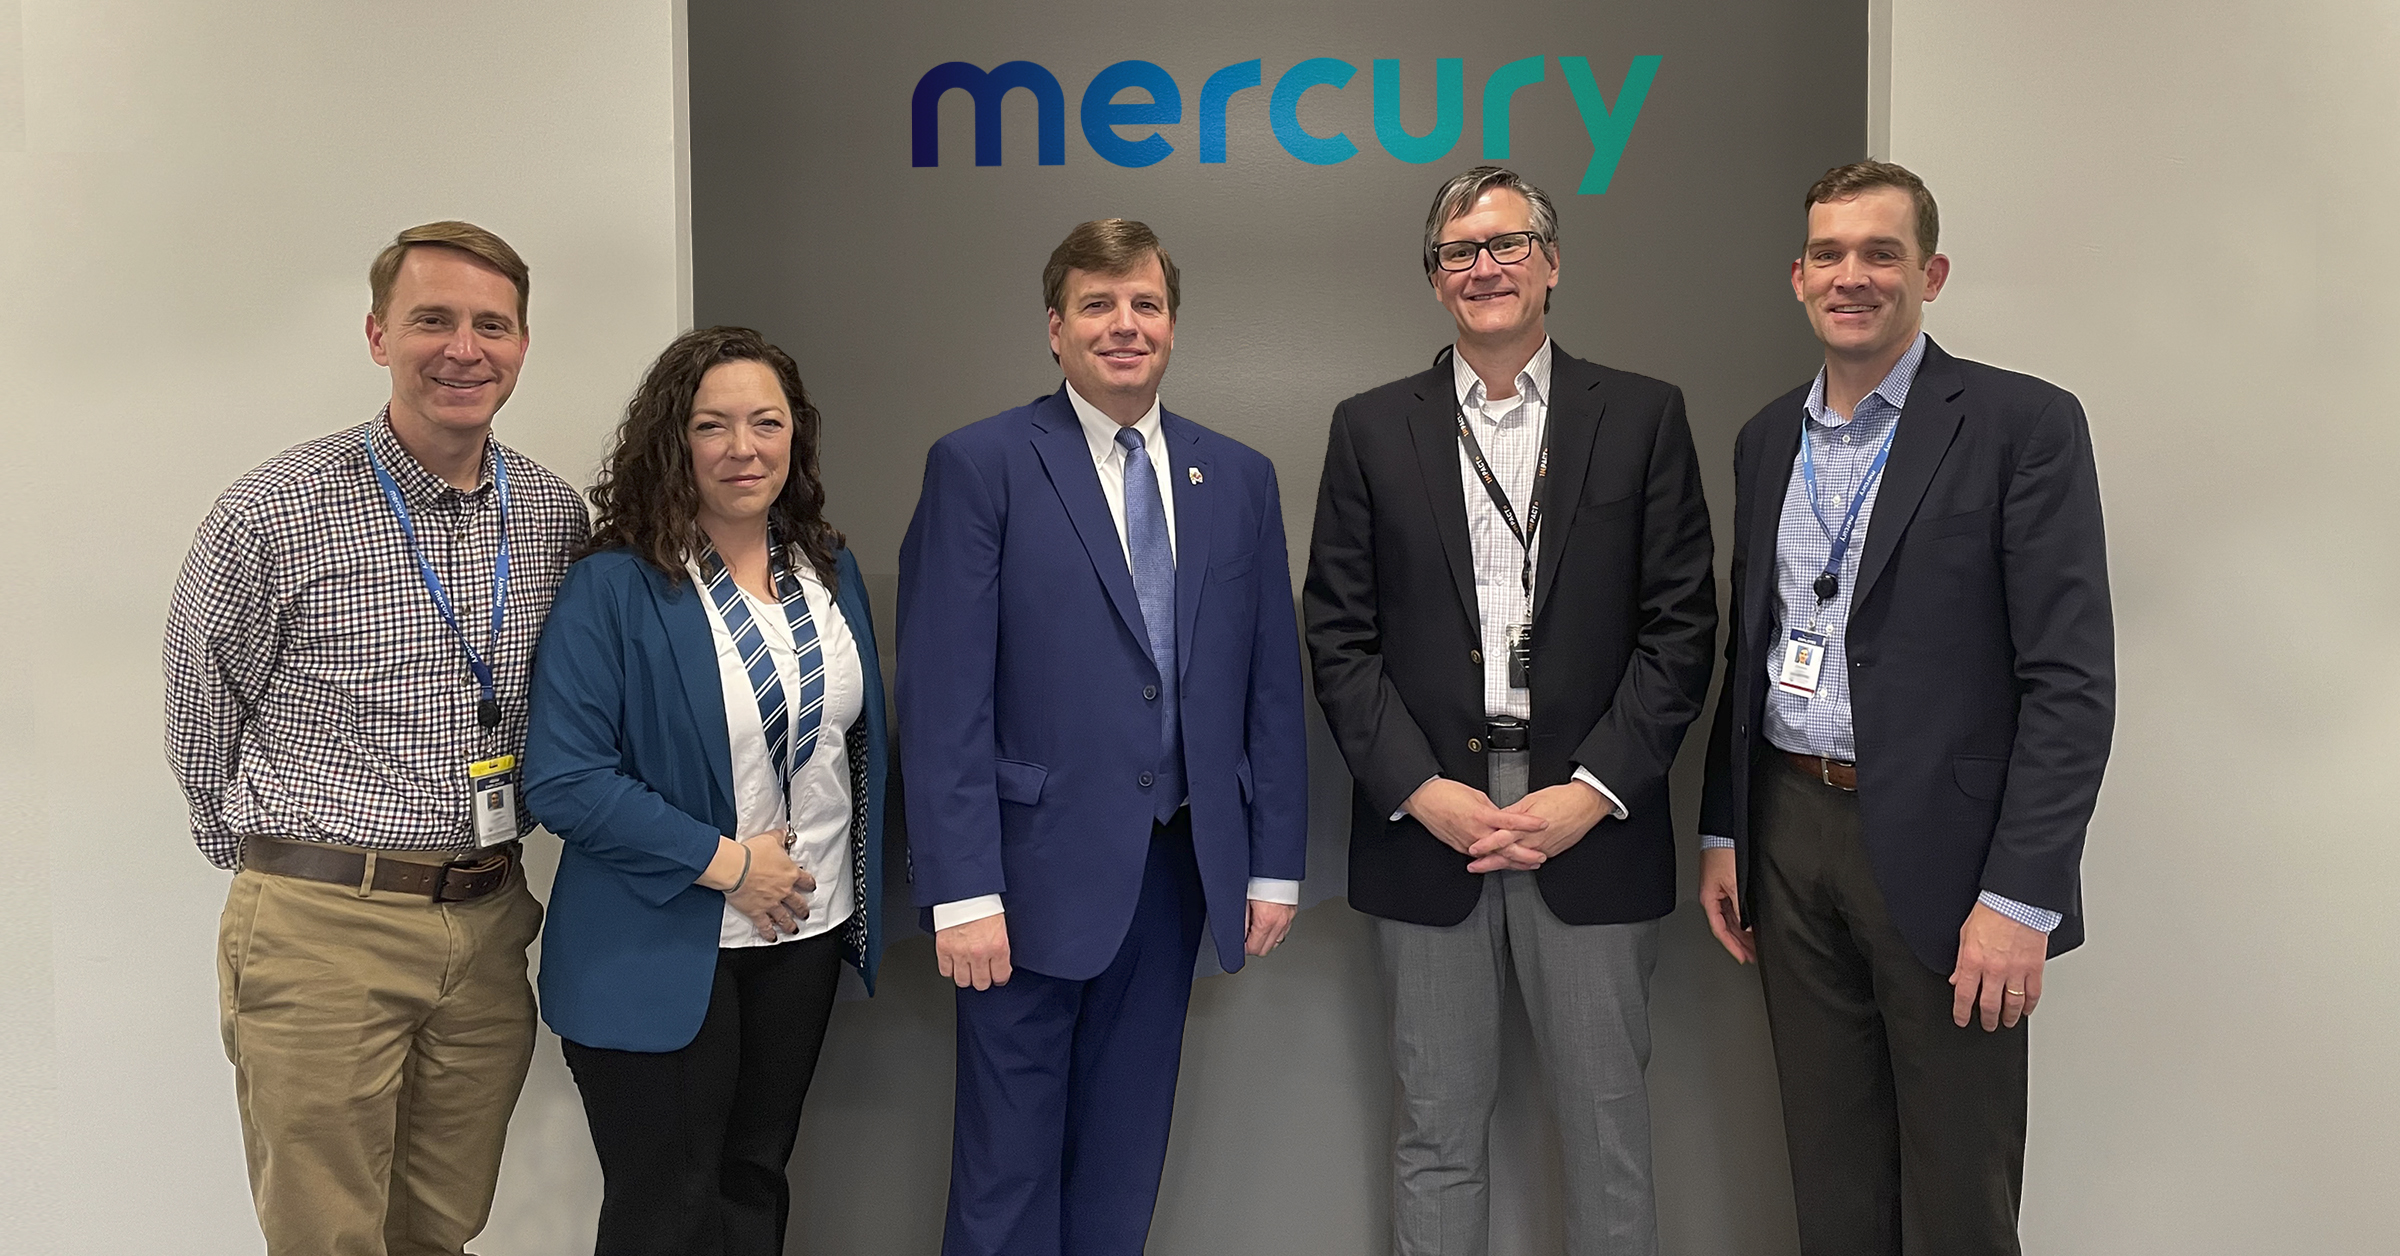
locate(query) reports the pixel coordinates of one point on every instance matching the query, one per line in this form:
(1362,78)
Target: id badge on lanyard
(1519,634)
(1804,648)
(493,783)
(1803,657)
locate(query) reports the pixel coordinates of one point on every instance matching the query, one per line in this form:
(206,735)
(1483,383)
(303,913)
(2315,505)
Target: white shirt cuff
(1710,841)
(2039,919)
(1271,890)
(1587,778)
(1400,812)
(964,910)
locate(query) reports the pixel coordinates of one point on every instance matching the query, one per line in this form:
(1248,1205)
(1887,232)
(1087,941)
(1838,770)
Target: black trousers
(1906,1132)
(693,1143)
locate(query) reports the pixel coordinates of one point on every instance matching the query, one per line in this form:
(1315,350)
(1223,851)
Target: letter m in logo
(987,87)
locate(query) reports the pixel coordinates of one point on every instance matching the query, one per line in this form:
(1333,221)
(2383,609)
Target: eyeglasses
(1508,248)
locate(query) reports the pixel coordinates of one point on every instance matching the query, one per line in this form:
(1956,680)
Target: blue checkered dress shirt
(1842,449)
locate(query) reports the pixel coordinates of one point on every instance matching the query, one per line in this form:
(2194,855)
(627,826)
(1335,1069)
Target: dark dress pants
(693,1143)
(1066,1088)
(1906,1132)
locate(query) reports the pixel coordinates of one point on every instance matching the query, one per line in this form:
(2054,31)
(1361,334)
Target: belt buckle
(497,861)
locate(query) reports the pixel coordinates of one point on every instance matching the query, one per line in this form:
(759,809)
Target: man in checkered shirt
(340,692)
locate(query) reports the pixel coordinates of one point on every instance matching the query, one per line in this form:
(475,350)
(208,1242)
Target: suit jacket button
(1474,745)
(1149,693)
(1145,779)
(1477,656)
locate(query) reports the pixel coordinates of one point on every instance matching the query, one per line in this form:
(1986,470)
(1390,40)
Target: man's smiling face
(1489,300)
(1862,277)
(452,338)
(1113,333)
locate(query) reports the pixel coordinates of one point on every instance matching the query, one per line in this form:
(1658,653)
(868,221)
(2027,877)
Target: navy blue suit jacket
(1983,665)
(1024,729)
(627,760)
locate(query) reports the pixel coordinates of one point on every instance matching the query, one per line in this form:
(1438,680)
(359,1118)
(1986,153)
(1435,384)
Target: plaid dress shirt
(1843,449)
(313,690)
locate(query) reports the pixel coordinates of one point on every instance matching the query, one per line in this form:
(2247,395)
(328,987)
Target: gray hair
(1458,196)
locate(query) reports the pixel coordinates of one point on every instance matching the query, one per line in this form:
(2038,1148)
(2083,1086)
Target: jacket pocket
(1965,523)
(1231,569)
(1020,782)
(1241,776)
(1980,776)
(1625,505)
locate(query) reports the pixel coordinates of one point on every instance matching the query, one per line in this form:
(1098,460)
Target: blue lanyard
(1830,583)
(487,712)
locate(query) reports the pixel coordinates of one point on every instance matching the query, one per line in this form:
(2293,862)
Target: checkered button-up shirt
(1843,449)
(313,690)
(1511,433)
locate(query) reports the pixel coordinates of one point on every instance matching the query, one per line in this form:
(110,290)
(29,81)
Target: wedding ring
(2019,993)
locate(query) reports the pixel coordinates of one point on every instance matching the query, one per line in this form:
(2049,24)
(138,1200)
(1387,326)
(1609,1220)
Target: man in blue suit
(1101,739)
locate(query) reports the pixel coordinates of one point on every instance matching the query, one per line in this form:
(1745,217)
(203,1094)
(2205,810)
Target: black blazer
(1983,674)
(1625,612)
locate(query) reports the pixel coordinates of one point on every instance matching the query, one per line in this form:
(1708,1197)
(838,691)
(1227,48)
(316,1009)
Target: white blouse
(820,787)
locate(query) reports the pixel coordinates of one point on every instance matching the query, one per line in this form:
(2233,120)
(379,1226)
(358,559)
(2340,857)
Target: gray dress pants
(1587,993)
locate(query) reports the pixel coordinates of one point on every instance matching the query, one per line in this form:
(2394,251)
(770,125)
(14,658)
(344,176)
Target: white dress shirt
(1108,461)
(821,799)
(1511,432)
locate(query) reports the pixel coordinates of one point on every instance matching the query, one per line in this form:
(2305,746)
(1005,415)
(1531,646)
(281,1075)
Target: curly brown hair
(645,498)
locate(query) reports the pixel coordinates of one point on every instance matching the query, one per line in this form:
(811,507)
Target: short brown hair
(1107,246)
(1843,182)
(467,238)
(1457,198)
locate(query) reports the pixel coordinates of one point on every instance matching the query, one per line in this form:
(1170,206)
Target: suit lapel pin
(1194,472)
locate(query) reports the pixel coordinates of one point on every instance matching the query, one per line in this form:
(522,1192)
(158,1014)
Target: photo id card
(493,793)
(1803,655)
(1520,656)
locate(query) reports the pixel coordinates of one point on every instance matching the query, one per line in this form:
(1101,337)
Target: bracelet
(737,881)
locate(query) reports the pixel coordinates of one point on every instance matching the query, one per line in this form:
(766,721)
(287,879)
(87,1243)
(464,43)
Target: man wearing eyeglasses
(1510,610)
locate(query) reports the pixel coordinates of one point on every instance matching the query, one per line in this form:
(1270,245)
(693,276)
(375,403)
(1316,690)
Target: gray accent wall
(911,298)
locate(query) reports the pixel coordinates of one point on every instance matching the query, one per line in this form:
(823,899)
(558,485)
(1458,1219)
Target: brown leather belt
(1816,767)
(457,881)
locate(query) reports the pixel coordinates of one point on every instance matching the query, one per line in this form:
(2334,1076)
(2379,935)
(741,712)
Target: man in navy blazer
(1102,748)
(1919,694)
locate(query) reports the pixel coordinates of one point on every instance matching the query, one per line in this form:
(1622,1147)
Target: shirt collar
(1100,431)
(416,483)
(1532,382)
(1893,391)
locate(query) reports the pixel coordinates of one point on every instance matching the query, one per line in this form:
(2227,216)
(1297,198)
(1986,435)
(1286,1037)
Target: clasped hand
(775,893)
(1523,835)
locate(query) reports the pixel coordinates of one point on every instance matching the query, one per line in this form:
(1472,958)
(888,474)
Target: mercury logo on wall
(1105,118)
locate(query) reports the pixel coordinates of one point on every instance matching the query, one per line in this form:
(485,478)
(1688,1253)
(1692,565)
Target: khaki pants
(378,1045)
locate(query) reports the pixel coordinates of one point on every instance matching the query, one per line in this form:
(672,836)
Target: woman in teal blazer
(708,742)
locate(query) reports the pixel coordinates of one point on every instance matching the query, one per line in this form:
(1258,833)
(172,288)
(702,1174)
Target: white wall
(2185,214)
(189,196)
(2181,219)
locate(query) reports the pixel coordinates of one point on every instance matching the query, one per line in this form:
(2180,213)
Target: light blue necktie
(1153,561)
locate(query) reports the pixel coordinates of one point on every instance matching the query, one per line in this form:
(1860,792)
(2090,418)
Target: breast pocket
(1230,570)
(1613,507)
(1965,523)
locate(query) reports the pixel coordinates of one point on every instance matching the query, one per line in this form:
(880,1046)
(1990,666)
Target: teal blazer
(627,761)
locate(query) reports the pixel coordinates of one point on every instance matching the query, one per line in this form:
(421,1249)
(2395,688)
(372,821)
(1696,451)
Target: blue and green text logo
(1125,132)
